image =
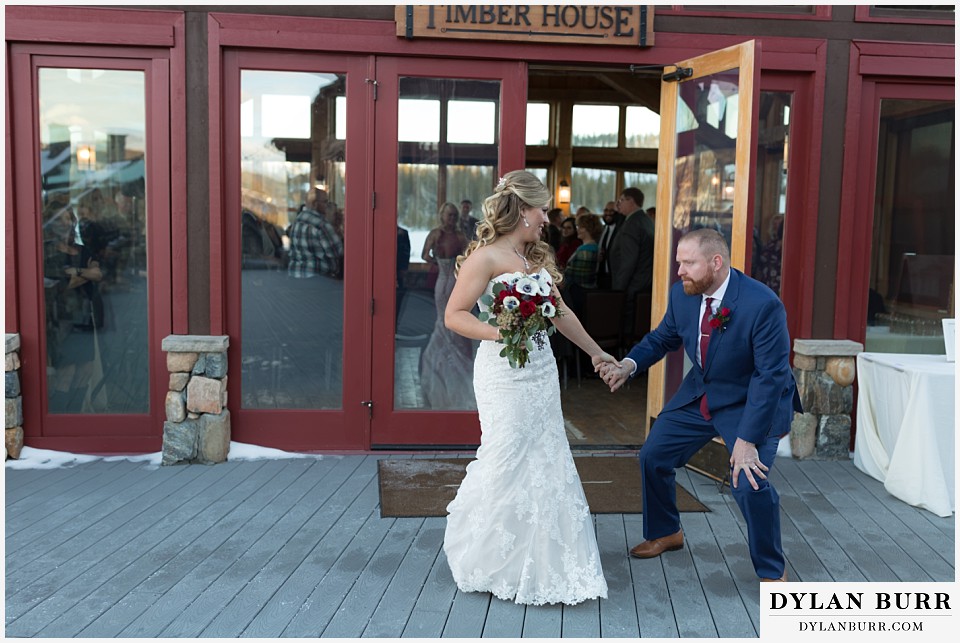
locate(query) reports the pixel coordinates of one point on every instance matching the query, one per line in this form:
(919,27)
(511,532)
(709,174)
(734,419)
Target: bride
(519,526)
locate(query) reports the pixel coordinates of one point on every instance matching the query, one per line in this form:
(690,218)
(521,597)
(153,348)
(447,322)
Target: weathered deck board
(298,548)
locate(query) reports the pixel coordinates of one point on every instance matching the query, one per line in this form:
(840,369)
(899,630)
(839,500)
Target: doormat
(424,488)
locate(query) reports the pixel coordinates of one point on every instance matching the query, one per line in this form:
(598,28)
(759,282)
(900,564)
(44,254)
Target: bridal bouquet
(520,308)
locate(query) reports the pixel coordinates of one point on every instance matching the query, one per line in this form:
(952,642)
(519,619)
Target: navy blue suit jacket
(751,392)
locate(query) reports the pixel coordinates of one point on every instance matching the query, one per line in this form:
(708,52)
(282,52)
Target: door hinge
(372,306)
(369,405)
(373,200)
(375,83)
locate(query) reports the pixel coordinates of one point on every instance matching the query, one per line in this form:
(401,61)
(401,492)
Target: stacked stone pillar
(825,370)
(198,423)
(14,401)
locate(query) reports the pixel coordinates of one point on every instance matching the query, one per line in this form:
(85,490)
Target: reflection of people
(71,276)
(740,387)
(769,256)
(631,254)
(445,376)
(403,265)
(519,526)
(315,246)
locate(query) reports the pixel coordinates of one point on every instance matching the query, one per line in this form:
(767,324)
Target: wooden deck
(297,547)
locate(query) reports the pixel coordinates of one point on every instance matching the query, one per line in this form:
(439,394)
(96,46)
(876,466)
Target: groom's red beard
(698,286)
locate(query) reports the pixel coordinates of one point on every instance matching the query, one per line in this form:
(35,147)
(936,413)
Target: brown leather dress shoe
(782,579)
(655,547)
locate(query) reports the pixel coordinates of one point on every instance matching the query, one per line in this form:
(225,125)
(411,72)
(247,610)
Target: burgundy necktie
(704,345)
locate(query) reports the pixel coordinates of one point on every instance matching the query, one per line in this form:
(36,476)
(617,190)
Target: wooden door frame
(736,57)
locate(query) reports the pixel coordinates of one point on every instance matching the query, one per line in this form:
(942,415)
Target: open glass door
(705,175)
(445,133)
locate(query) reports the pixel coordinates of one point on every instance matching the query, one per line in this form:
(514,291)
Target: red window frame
(874,69)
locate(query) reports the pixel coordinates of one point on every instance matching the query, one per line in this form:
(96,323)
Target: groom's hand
(603,360)
(616,376)
(746,459)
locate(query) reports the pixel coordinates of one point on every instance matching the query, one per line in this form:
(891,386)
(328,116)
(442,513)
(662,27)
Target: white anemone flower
(510,303)
(547,309)
(544,287)
(528,286)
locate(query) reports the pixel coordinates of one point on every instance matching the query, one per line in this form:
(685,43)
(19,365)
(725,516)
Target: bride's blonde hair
(501,215)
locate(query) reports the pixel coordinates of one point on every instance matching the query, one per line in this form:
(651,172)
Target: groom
(741,387)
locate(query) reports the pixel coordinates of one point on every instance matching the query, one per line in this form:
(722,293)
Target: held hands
(614,375)
(746,459)
(603,360)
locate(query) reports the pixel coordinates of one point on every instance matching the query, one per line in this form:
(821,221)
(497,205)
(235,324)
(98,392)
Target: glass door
(444,137)
(93,223)
(297,248)
(705,175)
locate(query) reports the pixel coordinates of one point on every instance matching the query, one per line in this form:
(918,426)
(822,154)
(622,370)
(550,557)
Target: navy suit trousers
(675,437)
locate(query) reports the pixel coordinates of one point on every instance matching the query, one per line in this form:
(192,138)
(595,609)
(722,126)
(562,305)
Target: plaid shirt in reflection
(315,247)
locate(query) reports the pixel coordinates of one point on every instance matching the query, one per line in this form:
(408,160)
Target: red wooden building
(158,160)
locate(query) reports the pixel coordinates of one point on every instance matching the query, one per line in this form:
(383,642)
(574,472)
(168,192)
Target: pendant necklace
(526,266)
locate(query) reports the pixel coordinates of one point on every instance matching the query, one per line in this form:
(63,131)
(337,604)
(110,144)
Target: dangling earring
(526,223)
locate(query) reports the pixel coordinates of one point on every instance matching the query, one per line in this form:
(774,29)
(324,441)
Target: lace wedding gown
(520,527)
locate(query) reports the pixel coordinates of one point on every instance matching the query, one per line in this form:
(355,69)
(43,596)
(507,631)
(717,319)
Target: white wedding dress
(520,527)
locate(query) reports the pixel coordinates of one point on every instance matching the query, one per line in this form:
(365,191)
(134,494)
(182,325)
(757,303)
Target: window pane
(94,223)
(433,367)
(292,241)
(419,120)
(913,255)
(538,123)
(471,121)
(596,125)
(771,201)
(643,127)
(539,172)
(647,182)
(592,189)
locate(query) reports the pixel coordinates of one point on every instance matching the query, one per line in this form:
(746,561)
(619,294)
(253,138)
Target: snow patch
(31,458)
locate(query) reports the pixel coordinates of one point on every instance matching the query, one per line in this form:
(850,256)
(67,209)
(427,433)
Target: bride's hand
(603,358)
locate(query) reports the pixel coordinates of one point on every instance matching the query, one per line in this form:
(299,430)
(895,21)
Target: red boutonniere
(720,319)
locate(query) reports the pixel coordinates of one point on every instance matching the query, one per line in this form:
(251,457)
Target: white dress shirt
(717,297)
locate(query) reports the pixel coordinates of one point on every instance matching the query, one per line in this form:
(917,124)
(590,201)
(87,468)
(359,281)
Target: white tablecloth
(905,427)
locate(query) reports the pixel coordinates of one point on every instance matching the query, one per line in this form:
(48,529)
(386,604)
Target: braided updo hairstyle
(501,215)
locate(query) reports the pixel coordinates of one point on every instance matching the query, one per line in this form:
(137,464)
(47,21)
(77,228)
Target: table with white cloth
(905,427)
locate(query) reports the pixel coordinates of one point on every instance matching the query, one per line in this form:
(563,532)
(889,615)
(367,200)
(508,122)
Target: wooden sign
(629,25)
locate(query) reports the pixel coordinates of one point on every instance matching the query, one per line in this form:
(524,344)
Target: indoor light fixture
(564,192)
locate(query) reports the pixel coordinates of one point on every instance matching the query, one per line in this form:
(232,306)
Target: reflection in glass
(913,255)
(292,239)
(596,125)
(441,185)
(706,153)
(771,202)
(92,126)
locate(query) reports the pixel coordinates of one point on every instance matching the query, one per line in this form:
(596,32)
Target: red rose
(714,323)
(527,308)
(503,294)
(724,312)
